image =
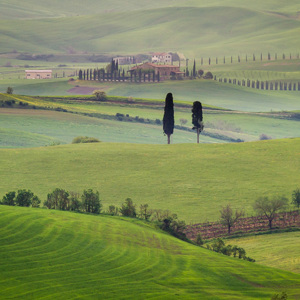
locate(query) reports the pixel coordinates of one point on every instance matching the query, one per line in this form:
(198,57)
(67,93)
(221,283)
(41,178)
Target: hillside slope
(194,31)
(192,180)
(52,254)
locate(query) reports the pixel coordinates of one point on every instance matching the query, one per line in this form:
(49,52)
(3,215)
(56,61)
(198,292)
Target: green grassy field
(52,254)
(192,180)
(275,250)
(235,28)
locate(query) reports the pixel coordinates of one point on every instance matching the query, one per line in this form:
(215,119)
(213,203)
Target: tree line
(263,85)
(246,58)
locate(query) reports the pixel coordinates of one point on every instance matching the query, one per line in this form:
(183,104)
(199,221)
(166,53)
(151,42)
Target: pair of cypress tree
(168,120)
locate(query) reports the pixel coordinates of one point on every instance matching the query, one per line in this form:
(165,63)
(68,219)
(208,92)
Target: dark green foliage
(296,198)
(75,203)
(194,68)
(35,201)
(168,119)
(58,199)
(197,118)
(91,202)
(219,246)
(208,75)
(145,213)
(113,210)
(84,139)
(24,198)
(80,74)
(9,90)
(282,296)
(199,240)
(9,199)
(128,208)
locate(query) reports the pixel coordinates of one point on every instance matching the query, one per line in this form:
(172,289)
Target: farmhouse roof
(155,66)
(38,71)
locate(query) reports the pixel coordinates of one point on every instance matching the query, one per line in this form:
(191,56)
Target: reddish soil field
(256,224)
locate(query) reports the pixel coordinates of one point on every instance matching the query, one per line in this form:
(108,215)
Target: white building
(162,57)
(38,74)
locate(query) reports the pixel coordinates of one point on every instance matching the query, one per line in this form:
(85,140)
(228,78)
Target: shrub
(9,199)
(208,75)
(84,139)
(264,137)
(113,210)
(128,208)
(199,240)
(100,95)
(24,198)
(9,90)
(91,202)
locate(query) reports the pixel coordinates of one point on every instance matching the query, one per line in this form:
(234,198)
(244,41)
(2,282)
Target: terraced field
(52,254)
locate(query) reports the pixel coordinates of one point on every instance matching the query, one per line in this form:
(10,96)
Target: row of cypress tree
(168,119)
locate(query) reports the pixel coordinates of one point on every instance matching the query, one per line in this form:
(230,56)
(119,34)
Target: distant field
(54,254)
(209,92)
(49,127)
(274,250)
(191,180)
(237,28)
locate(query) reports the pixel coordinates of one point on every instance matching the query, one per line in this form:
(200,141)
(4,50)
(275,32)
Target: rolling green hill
(195,31)
(53,254)
(270,250)
(192,180)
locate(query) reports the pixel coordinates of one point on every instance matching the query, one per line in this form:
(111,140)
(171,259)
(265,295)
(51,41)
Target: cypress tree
(158,79)
(197,118)
(153,75)
(80,75)
(168,120)
(83,74)
(194,68)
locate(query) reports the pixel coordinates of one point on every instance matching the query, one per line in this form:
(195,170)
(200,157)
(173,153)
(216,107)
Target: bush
(100,95)
(9,199)
(128,208)
(9,90)
(84,139)
(91,202)
(24,198)
(264,137)
(208,75)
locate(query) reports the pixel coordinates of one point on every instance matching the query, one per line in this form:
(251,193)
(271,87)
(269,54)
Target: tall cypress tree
(80,75)
(197,118)
(168,120)
(194,69)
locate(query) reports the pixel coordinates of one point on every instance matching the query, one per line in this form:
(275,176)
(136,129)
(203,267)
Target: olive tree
(229,217)
(269,207)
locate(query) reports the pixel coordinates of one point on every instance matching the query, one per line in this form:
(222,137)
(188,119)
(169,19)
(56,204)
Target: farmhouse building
(159,57)
(38,74)
(165,71)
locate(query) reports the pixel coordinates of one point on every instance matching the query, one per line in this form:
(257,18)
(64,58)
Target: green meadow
(192,180)
(53,254)
(274,250)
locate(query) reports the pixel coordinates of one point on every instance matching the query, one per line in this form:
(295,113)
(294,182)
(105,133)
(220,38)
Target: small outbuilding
(38,74)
